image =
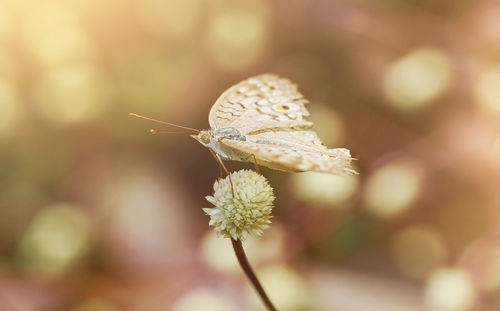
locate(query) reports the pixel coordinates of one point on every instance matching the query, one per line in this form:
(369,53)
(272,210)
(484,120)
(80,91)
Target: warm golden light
(392,188)
(5,22)
(73,94)
(172,19)
(418,250)
(450,289)
(236,39)
(331,190)
(412,90)
(144,79)
(57,237)
(417,78)
(53,34)
(327,123)
(488,90)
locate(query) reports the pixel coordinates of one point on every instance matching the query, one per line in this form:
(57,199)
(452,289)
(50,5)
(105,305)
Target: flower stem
(242,259)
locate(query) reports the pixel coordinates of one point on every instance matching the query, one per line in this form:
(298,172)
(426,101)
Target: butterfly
(262,120)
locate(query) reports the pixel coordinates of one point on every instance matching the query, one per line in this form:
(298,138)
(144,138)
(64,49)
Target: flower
(246,212)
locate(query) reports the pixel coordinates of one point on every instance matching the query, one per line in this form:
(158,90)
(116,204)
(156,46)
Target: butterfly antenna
(153,131)
(163,122)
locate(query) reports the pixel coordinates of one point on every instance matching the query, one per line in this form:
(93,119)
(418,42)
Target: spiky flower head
(246,212)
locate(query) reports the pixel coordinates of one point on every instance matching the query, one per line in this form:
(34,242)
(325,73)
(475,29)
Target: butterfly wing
(261,102)
(270,113)
(296,151)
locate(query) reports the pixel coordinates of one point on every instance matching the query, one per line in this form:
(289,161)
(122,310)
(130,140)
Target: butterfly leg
(255,163)
(223,167)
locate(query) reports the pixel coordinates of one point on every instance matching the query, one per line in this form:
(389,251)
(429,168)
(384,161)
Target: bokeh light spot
(5,22)
(202,299)
(392,188)
(219,254)
(236,39)
(57,237)
(417,78)
(146,229)
(52,34)
(482,260)
(145,79)
(488,90)
(285,286)
(449,289)
(418,250)
(173,18)
(327,124)
(331,190)
(73,93)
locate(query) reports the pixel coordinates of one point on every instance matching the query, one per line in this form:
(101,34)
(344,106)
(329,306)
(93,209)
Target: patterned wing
(259,103)
(296,151)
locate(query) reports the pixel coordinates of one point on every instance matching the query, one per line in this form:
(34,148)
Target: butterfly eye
(281,107)
(205,138)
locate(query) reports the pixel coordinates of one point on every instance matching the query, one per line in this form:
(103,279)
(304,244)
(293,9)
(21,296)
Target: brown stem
(242,259)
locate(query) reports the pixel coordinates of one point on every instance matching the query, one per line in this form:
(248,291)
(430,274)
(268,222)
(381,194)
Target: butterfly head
(205,137)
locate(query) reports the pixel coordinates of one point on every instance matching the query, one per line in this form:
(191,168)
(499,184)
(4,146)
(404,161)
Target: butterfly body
(213,140)
(218,142)
(262,119)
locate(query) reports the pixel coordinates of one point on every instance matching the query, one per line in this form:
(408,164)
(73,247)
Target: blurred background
(96,214)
